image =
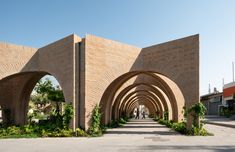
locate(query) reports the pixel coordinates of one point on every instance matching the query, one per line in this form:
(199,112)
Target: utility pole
(222,84)
(233,70)
(209,90)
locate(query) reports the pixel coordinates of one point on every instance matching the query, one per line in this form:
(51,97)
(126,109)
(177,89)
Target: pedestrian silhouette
(143,117)
(137,114)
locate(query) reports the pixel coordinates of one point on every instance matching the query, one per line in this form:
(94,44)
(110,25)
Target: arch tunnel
(154,90)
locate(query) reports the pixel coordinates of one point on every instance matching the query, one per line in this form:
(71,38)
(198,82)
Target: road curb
(220,124)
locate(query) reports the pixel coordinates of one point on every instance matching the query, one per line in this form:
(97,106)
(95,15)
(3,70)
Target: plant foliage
(198,111)
(95,128)
(181,128)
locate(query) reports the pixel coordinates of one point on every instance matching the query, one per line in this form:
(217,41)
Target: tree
(45,93)
(56,96)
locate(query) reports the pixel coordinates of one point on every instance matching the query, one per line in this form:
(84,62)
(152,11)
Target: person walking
(137,114)
(143,115)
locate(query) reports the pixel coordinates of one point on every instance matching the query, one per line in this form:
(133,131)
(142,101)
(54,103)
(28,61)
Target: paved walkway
(140,127)
(136,136)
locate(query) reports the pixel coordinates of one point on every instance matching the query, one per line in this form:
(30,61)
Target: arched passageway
(15,94)
(93,70)
(149,88)
(153,91)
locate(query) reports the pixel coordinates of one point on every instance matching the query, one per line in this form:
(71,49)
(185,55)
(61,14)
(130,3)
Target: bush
(162,121)
(56,126)
(224,111)
(27,129)
(181,128)
(65,133)
(114,124)
(80,133)
(57,133)
(195,131)
(95,129)
(117,123)
(166,115)
(68,114)
(13,130)
(198,111)
(165,122)
(151,116)
(156,118)
(122,121)
(16,132)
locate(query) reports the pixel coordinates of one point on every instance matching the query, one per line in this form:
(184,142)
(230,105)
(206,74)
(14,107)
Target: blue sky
(137,22)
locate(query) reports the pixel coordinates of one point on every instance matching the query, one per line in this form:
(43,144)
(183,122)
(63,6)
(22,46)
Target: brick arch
(93,70)
(164,83)
(150,87)
(16,90)
(57,59)
(137,98)
(146,104)
(133,94)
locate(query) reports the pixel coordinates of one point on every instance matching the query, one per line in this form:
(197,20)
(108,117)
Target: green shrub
(122,121)
(68,114)
(114,124)
(65,133)
(169,124)
(151,116)
(27,129)
(118,123)
(56,126)
(57,133)
(3,132)
(104,128)
(95,129)
(195,131)
(156,118)
(166,115)
(225,111)
(80,133)
(198,111)
(13,130)
(180,127)
(165,122)
(162,121)
(43,133)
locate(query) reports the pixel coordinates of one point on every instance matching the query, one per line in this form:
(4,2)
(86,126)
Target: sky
(137,22)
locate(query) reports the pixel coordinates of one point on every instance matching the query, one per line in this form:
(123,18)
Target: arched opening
(17,90)
(142,109)
(46,99)
(160,100)
(132,97)
(159,90)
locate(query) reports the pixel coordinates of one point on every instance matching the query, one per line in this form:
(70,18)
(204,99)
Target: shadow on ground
(188,148)
(142,132)
(142,126)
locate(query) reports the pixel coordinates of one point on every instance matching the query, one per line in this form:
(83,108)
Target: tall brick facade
(93,70)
